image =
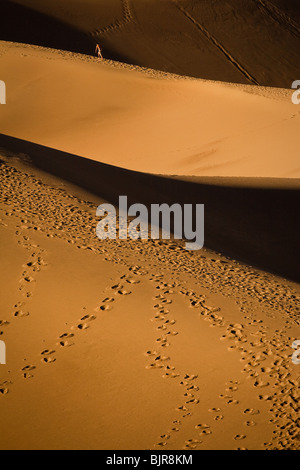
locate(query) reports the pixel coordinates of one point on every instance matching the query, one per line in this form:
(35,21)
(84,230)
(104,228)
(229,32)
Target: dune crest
(145,121)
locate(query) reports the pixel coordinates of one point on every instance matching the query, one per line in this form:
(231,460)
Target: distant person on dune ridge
(99,51)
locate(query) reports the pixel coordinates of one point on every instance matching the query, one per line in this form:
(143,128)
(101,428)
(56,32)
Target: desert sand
(141,121)
(131,345)
(135,345)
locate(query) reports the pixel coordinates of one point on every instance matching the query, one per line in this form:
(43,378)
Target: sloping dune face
(188,37)
(147,122)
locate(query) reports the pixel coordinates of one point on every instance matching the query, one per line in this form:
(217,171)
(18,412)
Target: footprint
(239,437)
(205,432)
(162,327)
(192,443)
(158,306)
(170,375)
(232,389)
(159,297)
(190,377)
(250,411)
(202,426)
(82,326)
(260,383)
(170,322)
(106,308)
(21,314)
(154,365)
(151,353)
(161,444)
(193,402)
(48,360)
(182,408)
(233,402)
(193,387)
(124,292)
(65,344)
(117,287)
(88,318)
(66,336)
(28,368)
(26,372)
(215,410)
(27,279)
(265,397)
(132,281)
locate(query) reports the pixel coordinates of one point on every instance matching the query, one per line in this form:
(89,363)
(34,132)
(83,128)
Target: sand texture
(134,345)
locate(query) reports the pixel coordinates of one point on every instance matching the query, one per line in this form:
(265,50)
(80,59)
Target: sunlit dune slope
(147,122)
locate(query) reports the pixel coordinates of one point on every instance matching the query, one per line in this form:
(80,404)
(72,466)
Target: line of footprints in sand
(66,340)
(160,360)
(27,281)
(255,367)
(26,288)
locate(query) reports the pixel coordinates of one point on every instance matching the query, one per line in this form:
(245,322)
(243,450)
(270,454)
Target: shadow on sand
(25,25)
(257,224)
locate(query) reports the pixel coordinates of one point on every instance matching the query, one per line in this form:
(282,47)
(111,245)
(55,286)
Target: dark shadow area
(256,225)
(190,37)
(25,25)
(22,24)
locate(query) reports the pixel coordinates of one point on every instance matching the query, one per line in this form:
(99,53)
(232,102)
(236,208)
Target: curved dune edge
(146,123)
(249,228)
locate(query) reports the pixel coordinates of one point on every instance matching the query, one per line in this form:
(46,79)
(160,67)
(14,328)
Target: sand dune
(105,337)
(147,122)
(180,36)
(131,345)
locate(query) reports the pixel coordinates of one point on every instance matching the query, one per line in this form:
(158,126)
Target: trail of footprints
(31,268)
(161,360)
(27,281)
(127,18)
(123,287)
(264,357)
(284,406)
(74,221)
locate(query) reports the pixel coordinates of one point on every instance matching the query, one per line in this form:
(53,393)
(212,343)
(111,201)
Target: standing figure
(99,51)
